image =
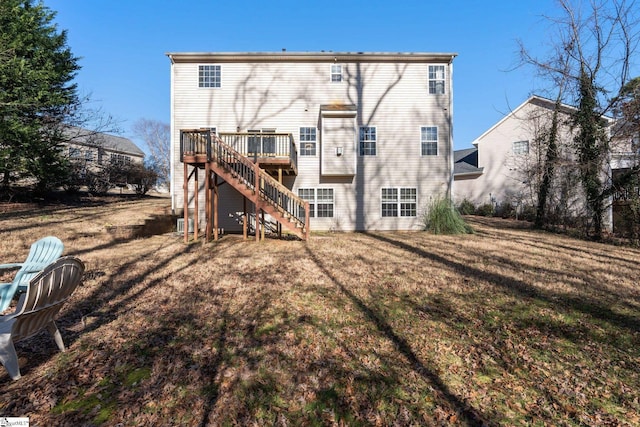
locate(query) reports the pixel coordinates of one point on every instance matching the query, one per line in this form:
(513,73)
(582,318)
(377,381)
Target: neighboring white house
(364,138)
(504,164)
(507,155)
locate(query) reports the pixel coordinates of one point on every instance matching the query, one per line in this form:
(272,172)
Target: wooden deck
(252,163)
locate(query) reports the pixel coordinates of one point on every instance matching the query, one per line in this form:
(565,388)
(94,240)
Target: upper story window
(429,140)
(436,79)
(368,141)
(208,76)
(120,159)
(521,147)
(336,73)
(308,141)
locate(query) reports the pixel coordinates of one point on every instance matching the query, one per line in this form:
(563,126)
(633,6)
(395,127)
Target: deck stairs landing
(205,149)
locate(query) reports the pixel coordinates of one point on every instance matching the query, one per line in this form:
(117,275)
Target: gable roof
(539,101)
(109,142)
(534,99)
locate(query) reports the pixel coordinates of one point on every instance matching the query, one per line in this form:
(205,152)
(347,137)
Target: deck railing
(254,145)
(269,190)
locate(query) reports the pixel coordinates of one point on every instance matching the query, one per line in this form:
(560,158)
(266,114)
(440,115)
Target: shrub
(466,207)
(485,210)
(442,218)
(505,210)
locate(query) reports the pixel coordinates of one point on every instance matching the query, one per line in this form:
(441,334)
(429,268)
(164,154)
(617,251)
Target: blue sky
(122,45)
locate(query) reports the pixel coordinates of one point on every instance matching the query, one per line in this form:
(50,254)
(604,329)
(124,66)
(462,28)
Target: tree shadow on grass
(470,415)
(559,300)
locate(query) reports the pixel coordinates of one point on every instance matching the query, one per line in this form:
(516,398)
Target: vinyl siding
(393,97)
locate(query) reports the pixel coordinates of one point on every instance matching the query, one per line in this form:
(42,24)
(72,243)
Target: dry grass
(508,326)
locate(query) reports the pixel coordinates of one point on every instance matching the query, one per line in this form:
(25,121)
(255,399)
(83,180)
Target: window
(320,201)
(324,205)
(429,140)
(308,141)
(336,73)
(209,76)
(260,143)
(399,202)
(389,202)
(88,156)
(521,147)
(367,141)
(120,159)
(436,79)
(75,153)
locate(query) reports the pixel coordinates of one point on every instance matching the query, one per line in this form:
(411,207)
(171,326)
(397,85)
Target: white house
(504,164)
(508,153)
(364,138)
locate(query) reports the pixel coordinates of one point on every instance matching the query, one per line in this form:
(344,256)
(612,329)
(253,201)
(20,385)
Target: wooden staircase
(202,148)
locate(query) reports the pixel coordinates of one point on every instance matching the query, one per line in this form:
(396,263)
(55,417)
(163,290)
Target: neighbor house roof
(109,142)
(536,100)
(466,163)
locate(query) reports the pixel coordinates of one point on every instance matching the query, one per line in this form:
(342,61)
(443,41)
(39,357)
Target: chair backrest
(42,253)
(45,295)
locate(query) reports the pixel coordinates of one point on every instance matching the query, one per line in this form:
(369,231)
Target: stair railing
(270,191)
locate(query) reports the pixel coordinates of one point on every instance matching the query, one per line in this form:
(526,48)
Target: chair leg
(53,329)
(8,356)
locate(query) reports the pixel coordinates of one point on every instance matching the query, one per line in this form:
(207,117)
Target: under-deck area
(254,165)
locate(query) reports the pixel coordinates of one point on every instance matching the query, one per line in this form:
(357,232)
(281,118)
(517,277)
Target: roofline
(475,173)
(563,106)
(284,56)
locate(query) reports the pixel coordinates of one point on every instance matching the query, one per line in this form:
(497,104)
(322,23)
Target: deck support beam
(215,207)
(185,202)
(196,186)
(244,217)
(207,202)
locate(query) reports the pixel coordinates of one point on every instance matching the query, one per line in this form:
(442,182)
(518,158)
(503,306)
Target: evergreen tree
(36,93)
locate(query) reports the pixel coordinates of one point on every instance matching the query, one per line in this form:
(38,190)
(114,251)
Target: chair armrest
(13,265)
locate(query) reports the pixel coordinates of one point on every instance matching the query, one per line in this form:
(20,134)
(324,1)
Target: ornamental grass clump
(441,217)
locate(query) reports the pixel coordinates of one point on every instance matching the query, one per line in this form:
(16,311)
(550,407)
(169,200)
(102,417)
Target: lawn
(508,326)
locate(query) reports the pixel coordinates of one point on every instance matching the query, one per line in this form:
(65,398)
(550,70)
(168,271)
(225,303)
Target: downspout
(450,119)
(172,180)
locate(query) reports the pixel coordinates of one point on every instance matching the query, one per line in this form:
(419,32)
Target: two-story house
(97,148)
(310,141)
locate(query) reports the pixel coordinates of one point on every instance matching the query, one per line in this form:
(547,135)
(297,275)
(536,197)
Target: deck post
(244,217)
(207,201)
(279,226)
(196,195)
(185,203)
(256,169)
(307,215)
(215,207)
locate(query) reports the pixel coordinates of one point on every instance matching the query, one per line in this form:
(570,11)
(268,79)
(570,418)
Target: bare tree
(157,136)
(591,53)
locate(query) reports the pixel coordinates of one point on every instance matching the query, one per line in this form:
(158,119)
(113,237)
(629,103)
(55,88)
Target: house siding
(392,96)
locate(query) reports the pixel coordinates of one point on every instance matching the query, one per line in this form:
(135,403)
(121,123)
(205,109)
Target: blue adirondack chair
(42,253)
(38,308)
